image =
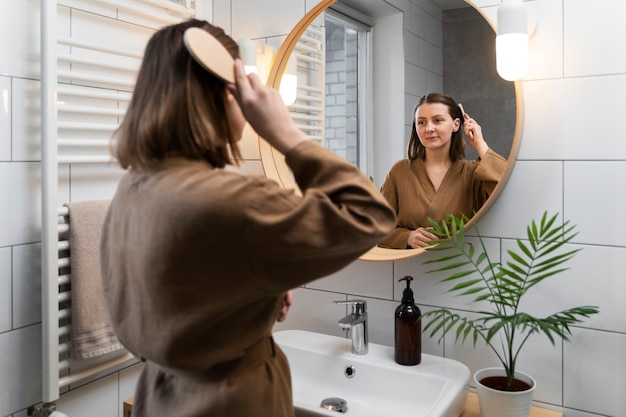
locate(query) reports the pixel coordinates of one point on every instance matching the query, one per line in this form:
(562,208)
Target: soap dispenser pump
(408,329)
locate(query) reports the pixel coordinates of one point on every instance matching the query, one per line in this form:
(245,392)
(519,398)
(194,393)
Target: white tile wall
(20,213)
(359,278)
(590,45)
(572,157)
(5,119)
(5,290)
(595,372)
(258,19)
(26,284)
(99,399)
(26,121)
(583,285)
(20,367)
(19,22)
(533,188)
(575,128)
(601,185)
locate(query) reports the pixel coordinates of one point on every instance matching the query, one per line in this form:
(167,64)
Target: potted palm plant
(503,327)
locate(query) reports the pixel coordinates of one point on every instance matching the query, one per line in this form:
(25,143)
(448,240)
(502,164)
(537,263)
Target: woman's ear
(457,124)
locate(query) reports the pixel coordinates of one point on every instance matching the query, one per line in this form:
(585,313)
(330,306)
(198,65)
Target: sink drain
(335,404)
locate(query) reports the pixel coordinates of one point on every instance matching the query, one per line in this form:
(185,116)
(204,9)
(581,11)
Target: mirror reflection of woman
(436,179)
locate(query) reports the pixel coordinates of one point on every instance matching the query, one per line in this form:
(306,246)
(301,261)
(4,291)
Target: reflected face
(435,126)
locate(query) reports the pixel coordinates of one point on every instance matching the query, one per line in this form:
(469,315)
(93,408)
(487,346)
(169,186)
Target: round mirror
(468,75)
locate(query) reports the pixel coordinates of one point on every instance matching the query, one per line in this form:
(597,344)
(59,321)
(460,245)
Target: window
(346,87)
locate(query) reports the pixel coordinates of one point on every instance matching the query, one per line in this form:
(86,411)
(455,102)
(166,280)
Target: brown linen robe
(464,189)
(195,263)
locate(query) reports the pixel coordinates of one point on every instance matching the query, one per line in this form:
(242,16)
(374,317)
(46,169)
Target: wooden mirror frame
(274,162)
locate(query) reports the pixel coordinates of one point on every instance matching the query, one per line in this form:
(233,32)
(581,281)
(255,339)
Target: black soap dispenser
(408,330)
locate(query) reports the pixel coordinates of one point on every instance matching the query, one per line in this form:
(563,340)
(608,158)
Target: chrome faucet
(356,322)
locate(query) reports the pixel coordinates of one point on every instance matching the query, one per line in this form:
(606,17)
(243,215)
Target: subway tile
(26,283)
(20,367)
(416,84)
(26,120)
(430,57)
(20,220)
(533,188)
(545,46)
(20,182)
(222,17)
(591,45)
(19,22)
(204,10)
(411,50)
(5,289)
(595,372)
(571,127)
(258,19)
(597,210)
(5,118)
(594,277)
(362,278)
(96,399)
(314,311)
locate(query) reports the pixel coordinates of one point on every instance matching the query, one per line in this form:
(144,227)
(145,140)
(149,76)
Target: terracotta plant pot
(498,403)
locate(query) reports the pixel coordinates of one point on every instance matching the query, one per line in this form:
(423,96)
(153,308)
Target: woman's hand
(287,301)
(474,134)
(264,109)
(419,238)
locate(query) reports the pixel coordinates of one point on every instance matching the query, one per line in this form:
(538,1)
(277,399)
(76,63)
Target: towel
(92,334)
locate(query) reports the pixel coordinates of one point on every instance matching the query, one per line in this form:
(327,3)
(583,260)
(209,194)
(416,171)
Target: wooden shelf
(472,409)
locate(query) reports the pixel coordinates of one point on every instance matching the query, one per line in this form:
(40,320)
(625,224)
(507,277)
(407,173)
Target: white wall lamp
(512,40)
(289,82)
(258,60)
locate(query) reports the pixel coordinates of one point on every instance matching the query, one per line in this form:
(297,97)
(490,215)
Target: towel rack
(82,102)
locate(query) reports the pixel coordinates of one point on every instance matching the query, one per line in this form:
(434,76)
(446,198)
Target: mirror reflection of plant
(503,285)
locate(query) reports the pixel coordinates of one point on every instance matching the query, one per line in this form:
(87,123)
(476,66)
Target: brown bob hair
(177,107)
(457,145)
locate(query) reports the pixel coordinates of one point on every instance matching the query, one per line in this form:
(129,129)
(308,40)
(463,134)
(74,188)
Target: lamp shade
(289,82)
(512,40)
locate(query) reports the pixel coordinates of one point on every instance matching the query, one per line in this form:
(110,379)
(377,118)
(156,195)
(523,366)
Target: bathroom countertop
(472,409)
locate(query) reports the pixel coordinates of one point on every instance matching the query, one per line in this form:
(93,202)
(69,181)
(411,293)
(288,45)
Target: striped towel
(92,334)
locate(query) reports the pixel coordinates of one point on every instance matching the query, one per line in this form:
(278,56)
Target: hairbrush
(210,53)
(471,134)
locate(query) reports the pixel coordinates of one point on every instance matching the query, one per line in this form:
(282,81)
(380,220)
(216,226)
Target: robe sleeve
(339,216)
(488,173)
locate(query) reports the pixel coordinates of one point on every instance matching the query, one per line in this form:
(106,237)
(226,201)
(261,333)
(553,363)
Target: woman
(436,179)
(196,259)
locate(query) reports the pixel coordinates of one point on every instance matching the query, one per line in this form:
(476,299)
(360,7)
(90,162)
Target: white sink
(437,387)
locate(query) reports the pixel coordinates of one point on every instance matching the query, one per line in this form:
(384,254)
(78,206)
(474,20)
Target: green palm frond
(502,285)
